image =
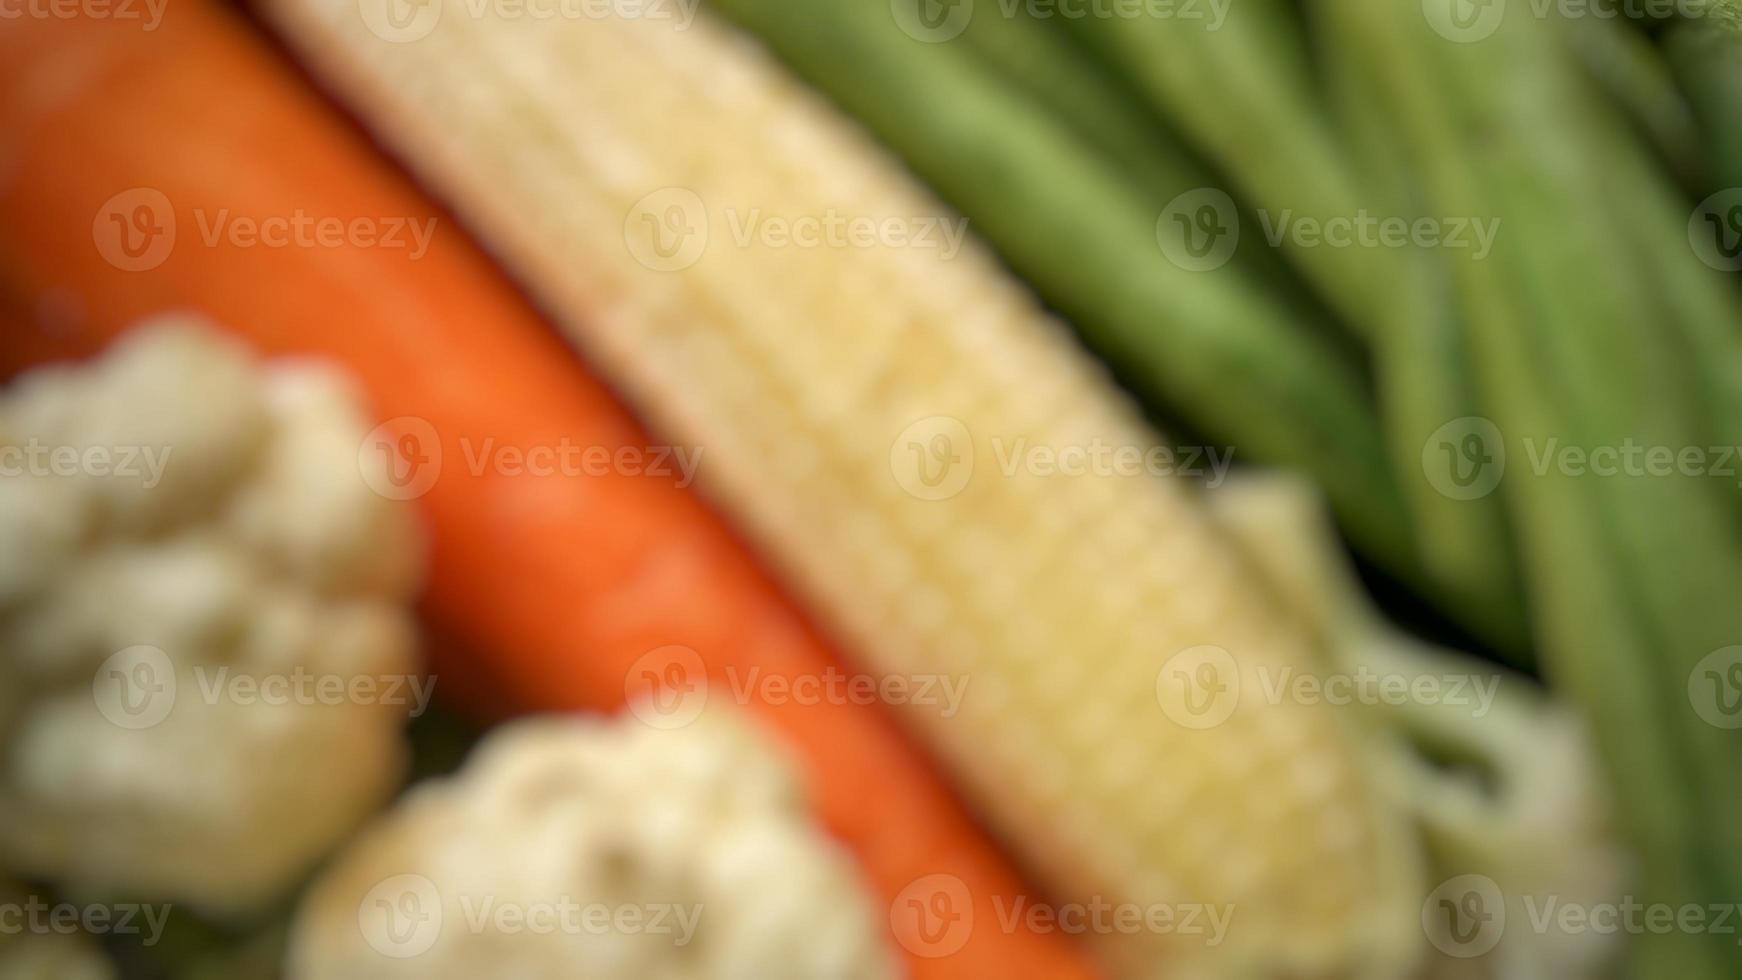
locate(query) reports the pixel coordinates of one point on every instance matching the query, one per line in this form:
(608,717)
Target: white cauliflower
(578,847)
(206,655)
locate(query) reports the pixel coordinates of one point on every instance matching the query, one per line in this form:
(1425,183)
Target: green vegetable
(1106,117)
(1425,388)
(1632,577)
(1245,91)
(1707,61)
(1209,345)
(1466,557)
(1620,57)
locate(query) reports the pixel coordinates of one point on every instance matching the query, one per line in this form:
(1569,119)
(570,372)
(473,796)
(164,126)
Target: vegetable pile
(1462,278)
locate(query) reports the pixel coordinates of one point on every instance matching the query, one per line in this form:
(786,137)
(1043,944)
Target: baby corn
(924,453)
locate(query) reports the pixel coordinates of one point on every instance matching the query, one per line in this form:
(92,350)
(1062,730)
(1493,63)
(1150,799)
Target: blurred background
(869,488)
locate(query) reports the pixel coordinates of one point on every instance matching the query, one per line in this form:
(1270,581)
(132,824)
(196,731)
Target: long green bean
(1244,90)
(1632,575)
(1209,345)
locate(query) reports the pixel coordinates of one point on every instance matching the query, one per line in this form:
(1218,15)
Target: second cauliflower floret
(573,847)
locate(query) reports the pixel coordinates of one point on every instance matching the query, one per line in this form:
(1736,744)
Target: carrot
(568,593)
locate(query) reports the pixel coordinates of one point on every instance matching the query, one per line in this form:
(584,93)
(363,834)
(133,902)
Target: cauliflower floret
(307,514)
(580,847)
(206,653)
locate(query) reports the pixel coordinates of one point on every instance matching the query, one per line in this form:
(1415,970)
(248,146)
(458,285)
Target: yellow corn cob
(614,163)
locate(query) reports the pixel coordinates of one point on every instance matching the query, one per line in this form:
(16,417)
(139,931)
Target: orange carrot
(147,170)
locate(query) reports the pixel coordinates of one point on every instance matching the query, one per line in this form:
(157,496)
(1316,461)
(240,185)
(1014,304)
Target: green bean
(1245,92)
(1632,576)
(1707,60)
(1055,74)
(1208,345)
(1425,387)
(1621,58)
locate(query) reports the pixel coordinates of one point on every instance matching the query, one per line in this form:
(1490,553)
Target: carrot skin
(548,590)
